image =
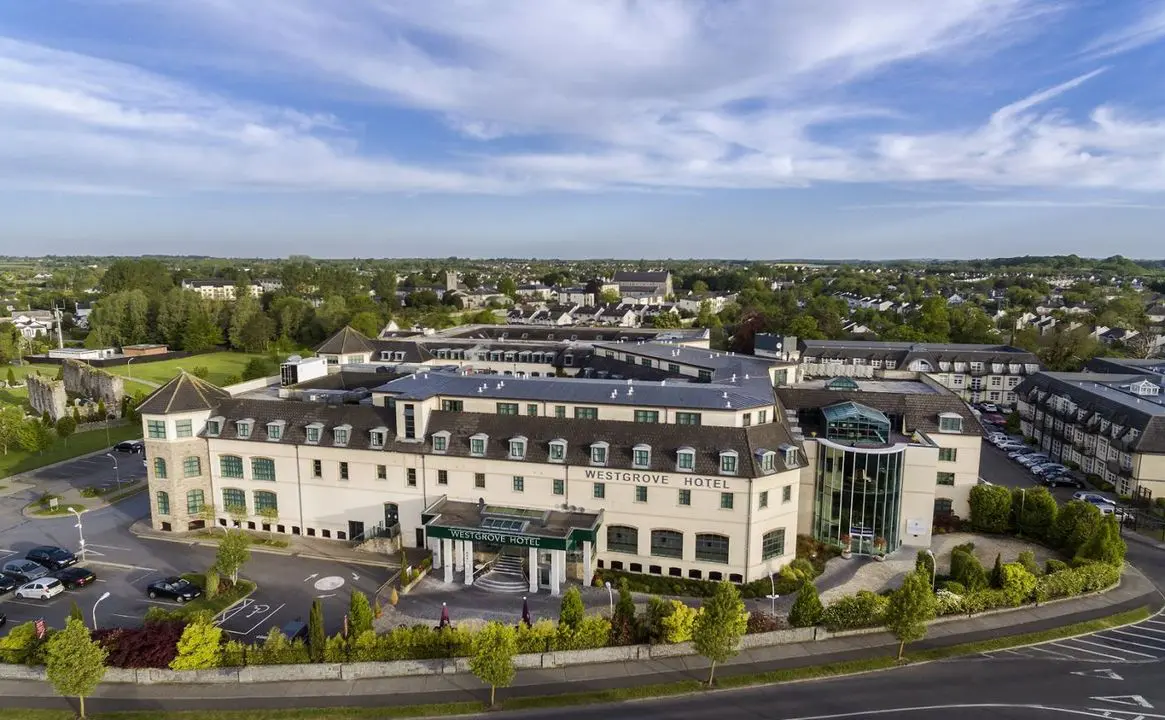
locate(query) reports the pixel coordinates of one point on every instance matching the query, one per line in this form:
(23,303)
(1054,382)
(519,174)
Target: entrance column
(555,561)
(434,545)
(561,566)
(468,561)
(458,555)
(532,562)
(587,575)
(447,561)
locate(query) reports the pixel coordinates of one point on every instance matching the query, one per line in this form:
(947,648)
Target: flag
(40,629)
(526,612)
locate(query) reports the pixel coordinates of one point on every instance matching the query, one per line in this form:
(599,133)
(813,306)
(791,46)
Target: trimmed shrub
(154,645)
(1076,522)
(657,610)
(1027,558)
(1106,545)
(591,632)
(807,609)
(954,587)
(995,579)
(760,621)
(1072,581)
(21,646)
(988,599)
(571,612)
(924,563)
(948,603)
(1017,583)
(863,610)
(538,638)
(1053,565)
(966,570)
(1038,509)
(677,626)
(990,508)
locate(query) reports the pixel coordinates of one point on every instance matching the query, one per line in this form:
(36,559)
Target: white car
(43,589)
(989,407)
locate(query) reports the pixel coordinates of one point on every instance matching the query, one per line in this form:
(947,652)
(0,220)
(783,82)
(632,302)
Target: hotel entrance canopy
(523,527)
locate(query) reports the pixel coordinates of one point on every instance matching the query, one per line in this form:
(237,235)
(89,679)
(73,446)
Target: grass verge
(120,495)
(18,461)
(62,509)
(256,538)
(609,696)
(213,605)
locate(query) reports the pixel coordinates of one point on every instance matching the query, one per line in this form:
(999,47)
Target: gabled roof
(185,393)
(346,342)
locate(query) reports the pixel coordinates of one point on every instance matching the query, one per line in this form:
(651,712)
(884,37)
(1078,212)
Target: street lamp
(610,597)
(95,608)
(1022,503)
(80,530)
(127,370)
(774,596)
(116,472)
(933,568)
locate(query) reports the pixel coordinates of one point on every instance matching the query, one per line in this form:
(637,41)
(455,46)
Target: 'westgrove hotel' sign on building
(659,479)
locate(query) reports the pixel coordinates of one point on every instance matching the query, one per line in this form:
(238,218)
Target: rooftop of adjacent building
(938,351)
(1117,390)
(898,387)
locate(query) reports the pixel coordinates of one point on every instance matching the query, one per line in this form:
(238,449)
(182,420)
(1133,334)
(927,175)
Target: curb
(33,516)
(18,477)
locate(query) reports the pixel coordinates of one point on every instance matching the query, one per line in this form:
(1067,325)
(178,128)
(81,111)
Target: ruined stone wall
(90,382)
(47,395)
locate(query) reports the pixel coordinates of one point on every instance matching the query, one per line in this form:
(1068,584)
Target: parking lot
(96,470)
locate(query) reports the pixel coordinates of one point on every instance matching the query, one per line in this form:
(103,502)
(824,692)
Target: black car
(1063,481)
(130,446)
(8,584)
(3,619)
(54,558)
(174,588)
(75,577)
(295,630)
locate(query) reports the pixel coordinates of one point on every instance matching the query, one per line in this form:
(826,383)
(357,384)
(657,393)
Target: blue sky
(582,128)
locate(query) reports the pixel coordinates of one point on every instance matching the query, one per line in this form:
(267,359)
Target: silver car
(24,570)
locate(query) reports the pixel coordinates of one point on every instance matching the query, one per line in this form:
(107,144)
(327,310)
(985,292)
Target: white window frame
(686,452)
(484,444)
(443,435)
(641,448)
(605,448)
(550,453)
(518,444)
(735,462)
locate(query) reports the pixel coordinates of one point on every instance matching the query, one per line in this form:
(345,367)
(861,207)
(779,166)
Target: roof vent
(728,404)
(724,395)
(614,394)
(499,385)
(746,376)
(733,377)
(631,391)
(481,389)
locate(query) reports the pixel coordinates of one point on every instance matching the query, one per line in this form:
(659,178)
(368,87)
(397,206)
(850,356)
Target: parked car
(130,446)
(1093,498)
(1030,461)
(54,558)
(3,620)
(1062,480)
(8,584)
(75,577)
(295,630)
(46,588)
(24,570)
(989,407)
(173,588)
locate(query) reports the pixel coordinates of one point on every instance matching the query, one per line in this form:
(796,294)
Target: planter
(846,554)
(880,557)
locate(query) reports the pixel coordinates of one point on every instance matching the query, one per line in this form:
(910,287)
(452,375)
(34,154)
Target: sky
(763,129)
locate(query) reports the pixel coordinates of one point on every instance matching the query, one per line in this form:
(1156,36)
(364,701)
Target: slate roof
(906,352)
(920,411)
(184,393)
(652,276)
(572,334)
(1101,394)
(622,437)
(346,342)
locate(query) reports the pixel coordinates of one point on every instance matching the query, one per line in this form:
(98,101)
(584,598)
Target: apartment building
(1110,421)
(699,471)
(976,373)
(221,289)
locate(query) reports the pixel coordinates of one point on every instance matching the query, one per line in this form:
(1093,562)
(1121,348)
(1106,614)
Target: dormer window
(477,444)
(950,422)
(599,453)
(377,437)
(275,430)
(214,426)
(557,451)
(768,460)
(441,441)
(790,455)
(518,448)
(243,428)
(729,461)
(686,459)
(340,435)
(641,456)
(313,432)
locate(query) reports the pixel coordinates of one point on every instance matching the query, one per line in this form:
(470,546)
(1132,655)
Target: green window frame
(453,405)
(531,409)
(559,486)
(440,442)
(641,493)
(343,471)
(950,424)
(623,539)
(442,477)
(230,466)
(685,497)
(599,490)
(772,544)
(599,455)
(711,547)
(727,501)
(156,429)
(673,368)
(764,499)
(312,435)
(266,500)
(945,478)
(948,454)
(263,469)
(192,466)
(184,428)
(586,413)
(646,416)
(234,498)
(728,464)
(688,418)
(519,483)
(641,458)
(557,451)
(560,411)
(477,446)
(686,461)
(507,408)
(163,502)
(195,502)
(667,543)
(160,468)
(274,431)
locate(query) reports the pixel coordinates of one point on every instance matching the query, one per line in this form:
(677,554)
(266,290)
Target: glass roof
(851,411)
(841,383)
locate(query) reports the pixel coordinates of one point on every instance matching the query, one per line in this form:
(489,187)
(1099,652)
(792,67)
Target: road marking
(164,602)
(234,609)
(1139,637)
(321,597)
(1125,700)
(131,617)
(257,625)
(1051,652)
(313,576)
(100,580)
(110,547)
(1149,629)
(1118,649)
(37,604)
(1092,652)
(355,576)
(1103,673)
(122,566)
(332,582)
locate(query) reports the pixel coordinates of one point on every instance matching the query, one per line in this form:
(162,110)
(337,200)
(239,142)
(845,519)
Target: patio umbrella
(526,612)
(444,615)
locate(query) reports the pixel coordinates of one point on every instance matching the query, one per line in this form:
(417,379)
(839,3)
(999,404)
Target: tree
(610,297)
(316,640)
(257,333)
(1105,545)
(494,648)
(75,612)
(571,612)
(366,323)
(201,332)
(199,648)
(990,508)
(66,425)
(74,663)
(924,563)
(699,287)
(270,516)
(11,378)
(967,570)
(720,625)
(807,609)
(996,578)
(11,422)
(359,614)
(1075,524)
(1034,511)
(33,436)
(234,550)
(910,607)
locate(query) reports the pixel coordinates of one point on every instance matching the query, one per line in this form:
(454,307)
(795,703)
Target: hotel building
(646,456)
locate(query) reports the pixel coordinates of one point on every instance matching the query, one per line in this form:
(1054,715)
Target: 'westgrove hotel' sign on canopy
(642,478)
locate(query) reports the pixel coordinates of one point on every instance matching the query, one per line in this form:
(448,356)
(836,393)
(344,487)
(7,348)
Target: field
(219,365)
(17,396)
(18,461)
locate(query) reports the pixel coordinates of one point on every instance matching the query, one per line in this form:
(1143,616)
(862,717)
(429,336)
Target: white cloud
(662,95)
(1148,28)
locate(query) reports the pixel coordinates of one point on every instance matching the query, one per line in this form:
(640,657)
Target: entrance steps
(505,576)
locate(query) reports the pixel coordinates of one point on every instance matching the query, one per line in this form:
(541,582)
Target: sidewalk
(297,546)
(1135,591)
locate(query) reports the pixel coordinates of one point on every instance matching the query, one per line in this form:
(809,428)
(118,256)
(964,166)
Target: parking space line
(164,602)
(41,604)
(111,547)
(1091,652)
(264,621)
(121,566)
(1130,642)
(131,617)
(1115,649)
(1051,652)
(1149,629)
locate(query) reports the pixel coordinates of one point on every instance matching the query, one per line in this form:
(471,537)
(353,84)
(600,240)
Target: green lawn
(18,396)
(219,365)
(18,461)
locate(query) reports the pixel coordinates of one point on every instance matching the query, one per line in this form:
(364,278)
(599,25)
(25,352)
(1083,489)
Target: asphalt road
(125,564)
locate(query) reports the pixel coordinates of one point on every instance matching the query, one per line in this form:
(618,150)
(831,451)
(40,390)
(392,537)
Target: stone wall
(90,382)
(47,394)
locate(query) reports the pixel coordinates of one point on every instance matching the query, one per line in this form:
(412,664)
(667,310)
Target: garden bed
(227,595)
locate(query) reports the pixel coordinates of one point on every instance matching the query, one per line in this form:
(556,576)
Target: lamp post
(127,370)
(773,597)
(933,568)
(95,608)
(116,472)
(610,597)
(80,530)
(1022,503)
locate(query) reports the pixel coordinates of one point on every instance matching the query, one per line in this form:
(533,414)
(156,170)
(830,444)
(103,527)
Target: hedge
(853,612)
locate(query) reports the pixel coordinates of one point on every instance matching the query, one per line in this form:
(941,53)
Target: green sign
(499,537)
